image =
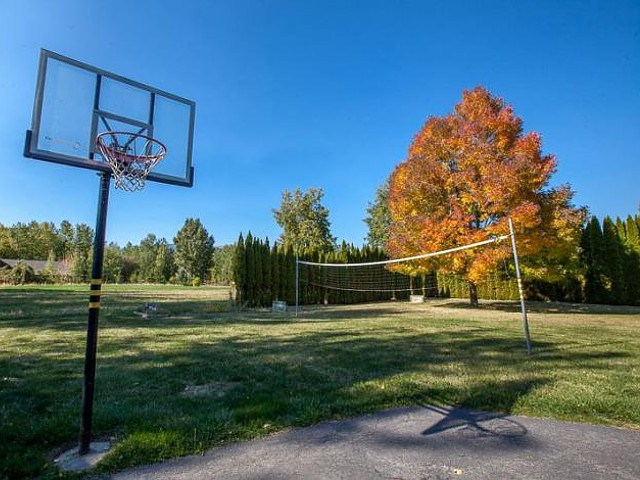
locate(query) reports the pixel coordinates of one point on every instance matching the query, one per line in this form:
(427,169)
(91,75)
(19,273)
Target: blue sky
(324,94)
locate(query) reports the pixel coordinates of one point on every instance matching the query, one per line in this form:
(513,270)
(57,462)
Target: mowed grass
(197,374)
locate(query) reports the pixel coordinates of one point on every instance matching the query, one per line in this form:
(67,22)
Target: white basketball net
(131,157)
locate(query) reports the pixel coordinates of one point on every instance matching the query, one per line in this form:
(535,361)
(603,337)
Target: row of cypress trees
(610,256)
(263,273)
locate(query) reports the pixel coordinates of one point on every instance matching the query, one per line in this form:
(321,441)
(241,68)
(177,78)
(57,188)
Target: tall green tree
(378,218)
(275,273)
(266,273)
(250,268)
(146,255)
(257,256)
(304,221)
(222,264)
(80,262)
(612,262)
(592,248)
(163,264)
(112,264)
(7,243)
(194,246)
(240,270)
(67,234)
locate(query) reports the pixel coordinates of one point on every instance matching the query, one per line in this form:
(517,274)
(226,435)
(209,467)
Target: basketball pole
(94,313)
(525,321)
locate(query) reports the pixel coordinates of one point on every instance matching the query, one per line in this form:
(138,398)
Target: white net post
(297,282)
(523,308)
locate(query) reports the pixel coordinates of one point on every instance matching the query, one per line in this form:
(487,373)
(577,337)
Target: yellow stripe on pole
(94,304)
(95,293)
(96,281)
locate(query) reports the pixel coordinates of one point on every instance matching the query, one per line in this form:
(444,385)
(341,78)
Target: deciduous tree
(465,174)
(304,221)
(194,246)
(378,218)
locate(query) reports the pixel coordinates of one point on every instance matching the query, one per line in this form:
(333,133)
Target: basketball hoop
(131,157)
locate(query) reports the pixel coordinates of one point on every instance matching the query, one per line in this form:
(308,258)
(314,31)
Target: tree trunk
(473,294)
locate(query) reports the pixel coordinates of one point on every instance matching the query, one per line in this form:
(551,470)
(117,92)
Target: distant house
(38,266)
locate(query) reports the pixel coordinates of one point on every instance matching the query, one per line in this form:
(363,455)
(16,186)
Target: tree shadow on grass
(543,307)
(290,377)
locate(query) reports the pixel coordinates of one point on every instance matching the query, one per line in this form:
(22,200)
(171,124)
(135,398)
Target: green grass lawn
(197,374)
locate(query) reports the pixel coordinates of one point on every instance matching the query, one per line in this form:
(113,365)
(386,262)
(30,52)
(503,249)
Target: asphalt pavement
(419,443)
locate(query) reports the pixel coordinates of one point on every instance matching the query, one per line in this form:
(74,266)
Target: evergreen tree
(592,255)
(267,295)
(275,273)
(257,256)
(612,262)
(240,270)
(631,261)
(250,269)
(291,275)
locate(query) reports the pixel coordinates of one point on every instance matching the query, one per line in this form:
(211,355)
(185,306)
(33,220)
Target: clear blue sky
(324,94)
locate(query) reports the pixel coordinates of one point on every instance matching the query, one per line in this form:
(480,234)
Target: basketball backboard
(75,102)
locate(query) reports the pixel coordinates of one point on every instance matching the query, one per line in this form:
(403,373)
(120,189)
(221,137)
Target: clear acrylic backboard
(76,102)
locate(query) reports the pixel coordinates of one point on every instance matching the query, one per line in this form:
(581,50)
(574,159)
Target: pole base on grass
(72,461)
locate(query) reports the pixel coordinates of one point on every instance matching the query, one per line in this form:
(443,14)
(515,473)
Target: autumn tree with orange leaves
(465,174)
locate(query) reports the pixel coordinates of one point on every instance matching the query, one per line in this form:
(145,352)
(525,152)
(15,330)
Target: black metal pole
(94,313)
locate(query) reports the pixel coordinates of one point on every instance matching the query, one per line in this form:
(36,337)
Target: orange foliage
(465,174)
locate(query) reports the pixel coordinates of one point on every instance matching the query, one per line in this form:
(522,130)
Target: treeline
(263,273)
(609,273)
(67,249)
(611,261)
(67,243)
